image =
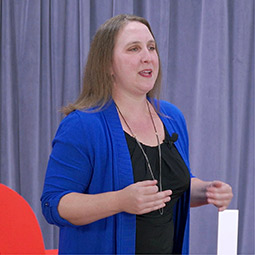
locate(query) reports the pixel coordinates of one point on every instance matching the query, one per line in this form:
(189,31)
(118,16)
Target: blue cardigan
(90,155)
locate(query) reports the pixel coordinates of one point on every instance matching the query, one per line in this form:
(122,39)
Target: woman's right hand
(138,198)
(142,197)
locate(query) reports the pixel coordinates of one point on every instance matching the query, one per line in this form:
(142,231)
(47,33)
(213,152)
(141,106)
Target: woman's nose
(145,56)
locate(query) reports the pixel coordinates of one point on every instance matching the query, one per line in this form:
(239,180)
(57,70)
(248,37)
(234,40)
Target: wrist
(118,200)
(199,192)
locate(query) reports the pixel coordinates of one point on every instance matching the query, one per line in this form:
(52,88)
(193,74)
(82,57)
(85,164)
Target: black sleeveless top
(155,232)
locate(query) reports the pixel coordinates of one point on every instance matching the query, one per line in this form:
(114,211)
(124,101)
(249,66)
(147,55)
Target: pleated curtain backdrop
(207,54)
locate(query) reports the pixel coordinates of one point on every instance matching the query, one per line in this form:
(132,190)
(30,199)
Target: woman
(118,179)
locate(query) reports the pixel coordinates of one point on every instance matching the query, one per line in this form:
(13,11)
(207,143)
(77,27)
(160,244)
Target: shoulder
(78,125)
(79,118)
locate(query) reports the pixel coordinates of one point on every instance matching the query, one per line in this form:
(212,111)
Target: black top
(155,232)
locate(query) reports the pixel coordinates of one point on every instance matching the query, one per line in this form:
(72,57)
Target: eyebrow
(135,42)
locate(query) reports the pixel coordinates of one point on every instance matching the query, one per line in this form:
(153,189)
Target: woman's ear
(111,71)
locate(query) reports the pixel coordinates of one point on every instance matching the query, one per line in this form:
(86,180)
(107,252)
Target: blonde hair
(97,80)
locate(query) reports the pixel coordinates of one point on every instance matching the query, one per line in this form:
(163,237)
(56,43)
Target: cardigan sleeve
(69,168)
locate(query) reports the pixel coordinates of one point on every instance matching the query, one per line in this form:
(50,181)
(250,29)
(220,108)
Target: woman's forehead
(134,31)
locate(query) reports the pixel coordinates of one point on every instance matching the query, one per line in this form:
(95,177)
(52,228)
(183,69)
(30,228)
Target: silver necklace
(161,210)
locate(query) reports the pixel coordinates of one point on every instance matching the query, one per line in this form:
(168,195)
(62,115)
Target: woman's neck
(139,119)
(132,106)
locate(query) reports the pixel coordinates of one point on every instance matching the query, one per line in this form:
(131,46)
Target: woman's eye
(152,48)
(133,49)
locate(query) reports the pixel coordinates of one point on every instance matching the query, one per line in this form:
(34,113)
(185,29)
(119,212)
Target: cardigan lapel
(123,176)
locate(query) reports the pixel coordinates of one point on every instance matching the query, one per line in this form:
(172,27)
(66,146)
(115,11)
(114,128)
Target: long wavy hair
(97,80)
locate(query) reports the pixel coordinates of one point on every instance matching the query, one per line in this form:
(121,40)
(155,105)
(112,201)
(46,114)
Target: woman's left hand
(219,194)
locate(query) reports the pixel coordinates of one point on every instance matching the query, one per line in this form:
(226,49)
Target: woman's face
(135,60)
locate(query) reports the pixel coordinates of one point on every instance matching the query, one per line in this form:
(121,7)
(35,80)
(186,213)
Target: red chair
(20,232)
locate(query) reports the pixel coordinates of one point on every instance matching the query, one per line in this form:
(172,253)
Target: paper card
(227,232)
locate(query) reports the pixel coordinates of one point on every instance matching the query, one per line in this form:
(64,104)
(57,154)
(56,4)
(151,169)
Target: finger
(219,196)
(149,190)
(221,209)
(152,208)
(214,202)
(163,196)
(225,192)
(219,203)
(157,204)
(155,198)
(146,183)
(220,187)
(225,188)
(167,192)
(160,195)
(217,184)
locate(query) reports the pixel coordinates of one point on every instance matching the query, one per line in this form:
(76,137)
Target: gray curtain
(207,53)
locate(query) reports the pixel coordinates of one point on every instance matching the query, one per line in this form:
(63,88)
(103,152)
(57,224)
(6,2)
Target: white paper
(227,232)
